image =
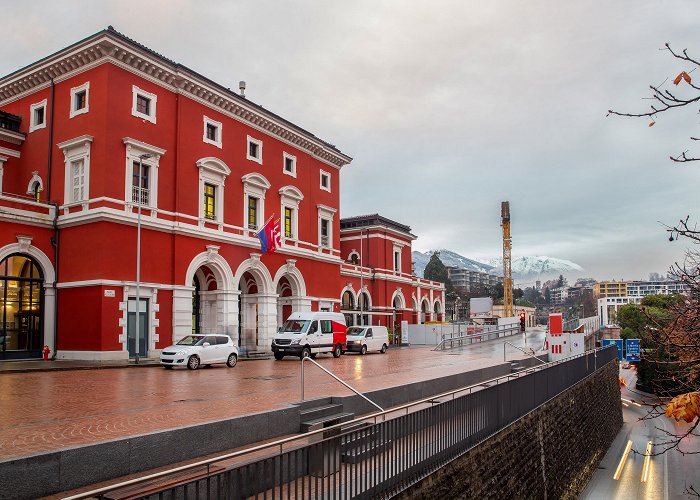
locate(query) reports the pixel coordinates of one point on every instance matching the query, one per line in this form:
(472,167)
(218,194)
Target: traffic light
(522,321)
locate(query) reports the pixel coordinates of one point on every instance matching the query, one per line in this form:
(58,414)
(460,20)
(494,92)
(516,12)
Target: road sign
(618,343)
(632,349)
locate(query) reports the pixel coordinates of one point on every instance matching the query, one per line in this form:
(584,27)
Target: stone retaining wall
(550,453)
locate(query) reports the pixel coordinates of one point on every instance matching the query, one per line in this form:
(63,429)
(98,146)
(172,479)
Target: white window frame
(286,156)
(32,115)
(73,92)
(255,185)
(77,149)
(212,171)
(397,262)
(320,181)
(219,132)
(253,140)
(135,92)
(290,197)
(325,213)
(134,149)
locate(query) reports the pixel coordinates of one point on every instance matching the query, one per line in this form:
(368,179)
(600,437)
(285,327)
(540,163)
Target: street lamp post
(139,200)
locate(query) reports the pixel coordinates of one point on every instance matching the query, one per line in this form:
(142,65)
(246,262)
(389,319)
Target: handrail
(280,442)
(519,349)
(474,335)
(306,358)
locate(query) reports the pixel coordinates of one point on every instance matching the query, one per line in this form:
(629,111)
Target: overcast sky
(449,108)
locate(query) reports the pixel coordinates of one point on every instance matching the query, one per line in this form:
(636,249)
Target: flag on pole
(270,236)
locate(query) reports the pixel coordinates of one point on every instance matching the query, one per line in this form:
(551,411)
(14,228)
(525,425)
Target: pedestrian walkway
(54,410)
(22,366)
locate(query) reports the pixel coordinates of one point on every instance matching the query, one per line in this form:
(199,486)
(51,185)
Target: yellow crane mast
(507,273)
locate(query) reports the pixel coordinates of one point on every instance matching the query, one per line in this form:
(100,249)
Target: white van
(309,333)
(367,338)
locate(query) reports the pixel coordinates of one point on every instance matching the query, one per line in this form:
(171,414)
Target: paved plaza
(53,410)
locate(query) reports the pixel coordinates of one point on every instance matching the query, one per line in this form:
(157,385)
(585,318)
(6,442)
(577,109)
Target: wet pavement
(43,411)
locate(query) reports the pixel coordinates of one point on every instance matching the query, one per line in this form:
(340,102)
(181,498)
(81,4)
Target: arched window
(21,307)
(354,258)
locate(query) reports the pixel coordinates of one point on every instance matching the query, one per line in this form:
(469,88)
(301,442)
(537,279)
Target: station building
(109,151)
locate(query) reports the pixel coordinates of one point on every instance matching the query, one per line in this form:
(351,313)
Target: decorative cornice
(9,152)
(11,136)
(109,46)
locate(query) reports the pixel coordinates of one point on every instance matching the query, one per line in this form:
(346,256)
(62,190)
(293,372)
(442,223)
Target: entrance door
(131,328)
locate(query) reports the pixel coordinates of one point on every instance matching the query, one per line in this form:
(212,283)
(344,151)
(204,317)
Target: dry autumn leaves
(684,407)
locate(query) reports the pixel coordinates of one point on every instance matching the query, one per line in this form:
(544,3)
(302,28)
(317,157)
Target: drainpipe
(48,177)
(54,238)
(54,242)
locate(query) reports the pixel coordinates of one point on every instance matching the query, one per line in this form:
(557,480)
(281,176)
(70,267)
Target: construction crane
(507,273)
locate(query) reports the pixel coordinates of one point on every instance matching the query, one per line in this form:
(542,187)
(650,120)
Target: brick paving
(52,410)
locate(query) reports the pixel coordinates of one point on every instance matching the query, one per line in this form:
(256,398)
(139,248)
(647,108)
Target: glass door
(131,328)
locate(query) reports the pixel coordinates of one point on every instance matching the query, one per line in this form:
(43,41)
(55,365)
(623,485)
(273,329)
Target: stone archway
(398,304)
(424,311)
(24,247)
(257,306)
(347,305)
(215,296)
(291,291)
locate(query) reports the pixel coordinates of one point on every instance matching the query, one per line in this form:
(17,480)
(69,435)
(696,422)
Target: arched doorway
(207,301)
(436,312)
(424,311)
(347,307)
(365,307)
(291,291)
(257,307)
(398,307)
(21,307)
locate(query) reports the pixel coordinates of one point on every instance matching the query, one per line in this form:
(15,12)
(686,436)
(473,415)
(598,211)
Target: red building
(109,150)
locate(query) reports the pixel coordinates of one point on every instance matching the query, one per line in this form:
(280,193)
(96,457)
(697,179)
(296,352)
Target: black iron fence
(387,451)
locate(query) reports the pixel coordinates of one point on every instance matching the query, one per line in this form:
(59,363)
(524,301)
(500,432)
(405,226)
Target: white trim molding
(75,151)
(259,144)
(292,161)
(219,127)
(255,185)
(212,171)
(152,100)
(134,150)
(85,87)
(33,108)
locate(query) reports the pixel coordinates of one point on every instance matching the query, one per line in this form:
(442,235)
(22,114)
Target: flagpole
(266,222)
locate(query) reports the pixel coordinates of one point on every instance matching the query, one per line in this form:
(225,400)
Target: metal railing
(139,195)
(306,358)
(383,457)
(486,334)
(522,350)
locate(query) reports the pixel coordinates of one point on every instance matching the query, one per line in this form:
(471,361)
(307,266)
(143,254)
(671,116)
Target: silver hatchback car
(200,349)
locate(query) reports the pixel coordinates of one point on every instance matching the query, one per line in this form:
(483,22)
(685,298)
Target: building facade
(126,178)
(467,280)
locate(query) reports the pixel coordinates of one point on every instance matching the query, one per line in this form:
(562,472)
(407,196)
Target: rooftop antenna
(241,87)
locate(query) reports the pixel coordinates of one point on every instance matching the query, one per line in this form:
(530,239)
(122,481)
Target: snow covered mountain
(537,267)
(528,268)
(450,259)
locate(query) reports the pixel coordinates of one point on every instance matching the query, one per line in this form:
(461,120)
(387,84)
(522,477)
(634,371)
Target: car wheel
(363,349)
(383,349)
(278,356)
(337,351)
(193,362)
(232,360)
(305,352)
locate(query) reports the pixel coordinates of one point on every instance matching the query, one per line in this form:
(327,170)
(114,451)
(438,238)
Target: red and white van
(309,333)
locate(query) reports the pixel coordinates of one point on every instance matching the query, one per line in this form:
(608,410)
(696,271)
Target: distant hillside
(528,268)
